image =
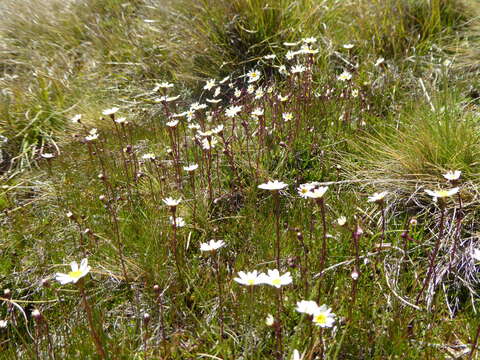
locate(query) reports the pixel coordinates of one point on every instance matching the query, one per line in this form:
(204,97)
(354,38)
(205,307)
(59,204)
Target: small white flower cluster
(312,190)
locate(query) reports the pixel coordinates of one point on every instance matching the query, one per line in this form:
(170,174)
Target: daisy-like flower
(297,69)
(379,61)
(233,110)
(250,89)
(304,189)
(179,221)
(258,112)
(317,193)
(208,144)
(165,85)
(218,129)
(273,278)
(282,69)
(452,175)
(442,193)
(290,55)
(47,155)
(253,75)
(347,46)
(148,156)
(110,111)
(92,135)
(259,93)
(76,274)
(249,278)
(212,245)
(172,123)
(237,93)
(345,76)
(121,120)
(476,254)
(191,167)
(296,355)
(209,85)
(309,307)
(377,197)
(171,201)
(310,40)
(282,98)
(273,185)
(287,116)
(355,93)
(76,119)
(342,220)
(270,320)
(324,317)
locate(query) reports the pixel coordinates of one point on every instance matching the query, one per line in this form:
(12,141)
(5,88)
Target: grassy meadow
(239,179)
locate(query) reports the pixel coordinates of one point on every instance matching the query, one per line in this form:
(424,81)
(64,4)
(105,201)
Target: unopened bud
(102,198)
(101,176)
(45,283)
(354,275)
(7,293)
(36,315)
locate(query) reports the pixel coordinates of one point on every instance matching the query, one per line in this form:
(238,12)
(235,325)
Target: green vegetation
(104,107)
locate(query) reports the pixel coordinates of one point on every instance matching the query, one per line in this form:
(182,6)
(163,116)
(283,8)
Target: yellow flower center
(320,318)
(251,282)
(442,193)
(75,274)
(276,282)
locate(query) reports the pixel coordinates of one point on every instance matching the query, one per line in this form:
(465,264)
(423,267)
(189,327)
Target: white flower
(273,185)
(310,40)
(259,93)
(250,89)
(347,46)
(298,69)
(172,123)
(208,144)
(379,61)
(249,278)
(3,324)
(93,135)
(317,193)
(442,193)
(110,111)
(237,93)
(377,197)
(253,75)
(309,307)
(212,245)
(282,69)
(179,221)
(171,201)
(233,110)
(164,85)
(296,355)
(287,116)
(121,120)
(342,220)
(290,55)
(345,76)
(214,101)
(148,156)
(476,254)
(209,85)
(76,118)
(291,43)
(270,320)
(355,93)
(273,278)
(452,175)
(218,129)
(74,275)
(324,317)
(258,112)
(304,189)
(282,98)
(191,167)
